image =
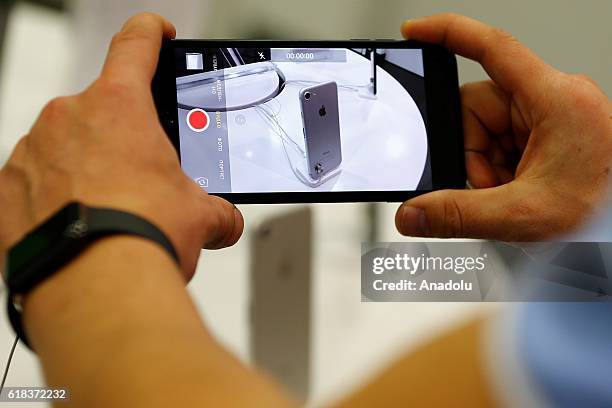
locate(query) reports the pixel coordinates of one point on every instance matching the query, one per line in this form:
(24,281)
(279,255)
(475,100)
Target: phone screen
(264,120)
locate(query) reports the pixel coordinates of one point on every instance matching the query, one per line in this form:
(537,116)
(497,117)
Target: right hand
(538,143)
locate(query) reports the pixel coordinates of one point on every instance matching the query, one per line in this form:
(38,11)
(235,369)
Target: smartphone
(237,114)
(281,298)
(321,128)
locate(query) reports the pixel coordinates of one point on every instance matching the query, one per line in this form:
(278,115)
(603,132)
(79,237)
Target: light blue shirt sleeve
(567,347)
(567,350)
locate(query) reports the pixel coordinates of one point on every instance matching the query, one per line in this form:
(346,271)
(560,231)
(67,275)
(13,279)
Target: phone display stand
(241,87)
(367,92)
(304,176)
(296,157)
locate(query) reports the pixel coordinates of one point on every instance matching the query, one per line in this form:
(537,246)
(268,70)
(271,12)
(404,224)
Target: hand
(538,143)
(106,147)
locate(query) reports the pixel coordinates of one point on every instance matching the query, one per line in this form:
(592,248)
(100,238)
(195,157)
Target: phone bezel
(445,134)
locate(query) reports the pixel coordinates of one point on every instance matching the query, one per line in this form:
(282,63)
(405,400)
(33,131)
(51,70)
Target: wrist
(107,313)
(110,270)
(58,240)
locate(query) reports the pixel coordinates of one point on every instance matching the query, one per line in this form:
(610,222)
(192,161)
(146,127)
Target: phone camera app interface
(256,120)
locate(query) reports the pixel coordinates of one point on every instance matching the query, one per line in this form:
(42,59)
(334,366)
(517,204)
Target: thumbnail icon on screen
(194,61)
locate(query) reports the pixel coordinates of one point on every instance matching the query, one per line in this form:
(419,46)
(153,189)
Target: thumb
(491,213)
(223,223)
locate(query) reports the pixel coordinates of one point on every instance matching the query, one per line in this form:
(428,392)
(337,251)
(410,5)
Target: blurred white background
(49,52)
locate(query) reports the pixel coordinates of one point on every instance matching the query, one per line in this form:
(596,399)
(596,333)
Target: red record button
(198,120)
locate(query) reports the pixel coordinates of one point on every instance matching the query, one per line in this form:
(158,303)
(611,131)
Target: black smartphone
(234,111)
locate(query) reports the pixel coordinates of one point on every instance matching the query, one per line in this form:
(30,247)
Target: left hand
(105,147)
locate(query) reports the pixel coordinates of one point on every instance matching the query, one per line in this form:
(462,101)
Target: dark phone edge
(441,83)
(441,78)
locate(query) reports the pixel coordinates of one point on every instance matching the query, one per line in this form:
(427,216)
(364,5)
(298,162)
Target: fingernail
(404,28)
(412,221)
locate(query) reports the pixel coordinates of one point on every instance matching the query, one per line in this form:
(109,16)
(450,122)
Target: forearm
(117,328)
(448,371)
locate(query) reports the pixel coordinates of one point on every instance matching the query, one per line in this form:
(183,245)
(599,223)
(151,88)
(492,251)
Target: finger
(506,142)
(485,110)
(485,104)
(483,213)
(224,223)
(490,128)
(134,51)
(510,64)
(480,171)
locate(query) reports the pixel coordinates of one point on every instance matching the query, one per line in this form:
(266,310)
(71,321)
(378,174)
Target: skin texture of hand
(116,325)
(105,147)
(538,143)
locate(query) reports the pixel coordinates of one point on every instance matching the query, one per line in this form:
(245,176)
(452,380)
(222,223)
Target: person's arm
(538,143)
(116,326)
(118,329)
(448,371)
(538,148)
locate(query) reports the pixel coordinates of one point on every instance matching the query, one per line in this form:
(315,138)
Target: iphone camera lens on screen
(262,121)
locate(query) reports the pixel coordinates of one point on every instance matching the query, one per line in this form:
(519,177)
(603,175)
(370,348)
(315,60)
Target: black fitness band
(83,226)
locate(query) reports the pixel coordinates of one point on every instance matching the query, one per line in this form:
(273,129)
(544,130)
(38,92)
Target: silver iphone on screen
(321,124)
